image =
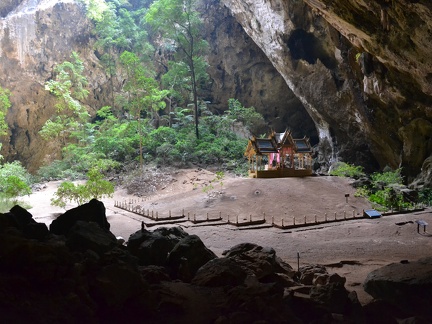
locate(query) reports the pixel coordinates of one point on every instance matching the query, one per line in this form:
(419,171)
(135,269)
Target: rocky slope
(353,74)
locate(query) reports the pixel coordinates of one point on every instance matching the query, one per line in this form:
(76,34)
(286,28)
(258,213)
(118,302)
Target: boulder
(332,296)
(93,211)
(219,273)
(408,285)
(187,257)
(309,272)
(258,260)
(152,248)
(154,274)
(17,217)
(115,284)
(22,216)
(89,236)
(37,231)
(8,220)
(256,302)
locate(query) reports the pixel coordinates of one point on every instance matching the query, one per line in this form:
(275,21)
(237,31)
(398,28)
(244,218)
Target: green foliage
(6,204)
(343,169)
(14,169)
(249,117)
(58,170)
(95,187)
(385,191)
(95,9)
(5,104)
(69,86)
(218,179)
(425,196)
(179,22)
(13,187)
(15,181)
(384,179)
(362,192)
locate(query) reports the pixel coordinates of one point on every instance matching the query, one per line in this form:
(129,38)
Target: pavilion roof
(264,145)
(303,145)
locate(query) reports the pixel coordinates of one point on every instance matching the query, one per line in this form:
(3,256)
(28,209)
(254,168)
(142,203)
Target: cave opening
(306,46)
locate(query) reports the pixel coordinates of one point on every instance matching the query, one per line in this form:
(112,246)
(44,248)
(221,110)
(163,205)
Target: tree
(118,27)
(179,21)
(95,187)
(14,180)
(69,86)
(5,104)
(143,93)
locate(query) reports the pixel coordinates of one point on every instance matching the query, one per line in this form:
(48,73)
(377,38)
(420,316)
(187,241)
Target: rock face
(33,39)
(240,69)
(360,68)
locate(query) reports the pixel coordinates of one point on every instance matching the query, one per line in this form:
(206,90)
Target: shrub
(381,180)
(425,196)
(13,169)
(343,169)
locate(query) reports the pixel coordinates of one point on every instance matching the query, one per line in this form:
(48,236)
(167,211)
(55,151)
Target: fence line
(243,220)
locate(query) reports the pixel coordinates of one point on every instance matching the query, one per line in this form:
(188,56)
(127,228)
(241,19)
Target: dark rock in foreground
(168,276)
(408,285)
(93,211)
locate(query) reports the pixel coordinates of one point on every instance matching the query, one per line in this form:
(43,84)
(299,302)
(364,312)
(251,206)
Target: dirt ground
(352,248)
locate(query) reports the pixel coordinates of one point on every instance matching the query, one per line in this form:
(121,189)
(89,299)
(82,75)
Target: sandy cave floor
(361,244)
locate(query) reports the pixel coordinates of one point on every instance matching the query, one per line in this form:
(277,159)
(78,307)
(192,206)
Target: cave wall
(239,69)
(33,39)
(360,68)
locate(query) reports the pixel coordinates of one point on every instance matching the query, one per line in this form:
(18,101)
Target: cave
(305,46)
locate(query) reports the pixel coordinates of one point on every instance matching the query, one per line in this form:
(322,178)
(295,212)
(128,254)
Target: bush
(343,169)
(13,169)
(385,190)
(425,196)
(15,181)
(381,180)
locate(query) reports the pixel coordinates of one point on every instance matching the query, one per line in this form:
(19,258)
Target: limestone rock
(332,296)
(219,273)
(21,219)
(309,272)
(153,247)
(116,284)
(154,274)
(89,236)
(408,285)
(259,261)
(187,257)
(349,65)
(93,211)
